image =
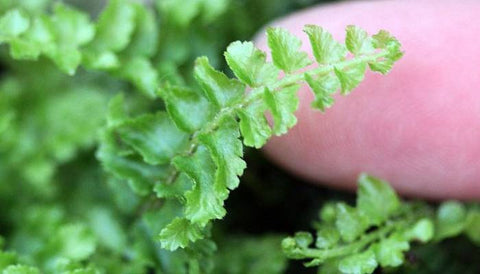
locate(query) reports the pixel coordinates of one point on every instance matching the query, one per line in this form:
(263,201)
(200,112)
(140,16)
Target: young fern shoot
(192,153)
(378,230)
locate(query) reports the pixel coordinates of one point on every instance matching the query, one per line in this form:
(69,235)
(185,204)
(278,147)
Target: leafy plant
(197,159)
(170,143)
(378,231)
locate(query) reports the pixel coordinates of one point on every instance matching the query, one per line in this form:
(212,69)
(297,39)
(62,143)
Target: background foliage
(63,214)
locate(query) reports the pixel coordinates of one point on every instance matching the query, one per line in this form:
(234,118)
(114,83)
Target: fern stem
(293,79)
(352,248)
(296,78)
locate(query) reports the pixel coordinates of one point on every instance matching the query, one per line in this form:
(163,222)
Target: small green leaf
(451,220)
(180,15)
(383,40)
(376,199)
(211,9)
(72,27)
(105,60)
(325,49)
(175,189)
(154,136)
(303,239)
(120,163)
(472,227)
(144,41)
(349,222)
(389,251)
(37,39)
(67,58)
(13,23)
(327,236)
(115,26)
(323,87)
(181,102)
(285,49)
(350,77)
(361,263)
(328,213)
(357,41)
(140,71)
(218,88)
(22,49)
(183,15)
(41,34)
(422,231)
(249,64)
(179,233)
(227,153)
(383,66)
(74,241)
(203,202)
(282,104)
(253,125)
(288,245)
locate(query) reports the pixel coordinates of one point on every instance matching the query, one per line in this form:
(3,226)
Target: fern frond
(204,152)
(378,231)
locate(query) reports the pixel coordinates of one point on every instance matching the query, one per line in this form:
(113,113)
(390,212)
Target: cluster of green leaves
(30,154)
(191,154)
(173,151)
(124,43)
(80,234)
(49,121)
(378,231)
(120,42)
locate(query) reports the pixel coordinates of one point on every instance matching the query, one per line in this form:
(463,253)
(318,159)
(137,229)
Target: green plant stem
(297,78)
(351,248)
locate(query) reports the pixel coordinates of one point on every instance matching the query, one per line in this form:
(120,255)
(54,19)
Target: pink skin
(419,126)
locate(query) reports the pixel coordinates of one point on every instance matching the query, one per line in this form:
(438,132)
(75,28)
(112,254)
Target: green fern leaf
(350,78)
(325,49)
(357,41)
(179,233)
(285,49)
(282,105)
(204,202)
(219,89)
(249,64)
(154,136)
(323,87)
(227,151)
(253,125)
(181,102)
